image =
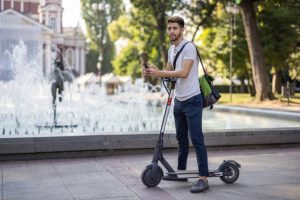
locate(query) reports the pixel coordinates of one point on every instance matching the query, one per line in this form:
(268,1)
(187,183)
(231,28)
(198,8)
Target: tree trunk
(243,85)
(163,49)
(276,82)
(260,75)
(159,13)
(250,85)
(162,36)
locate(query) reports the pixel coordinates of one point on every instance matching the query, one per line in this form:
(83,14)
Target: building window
(53,23)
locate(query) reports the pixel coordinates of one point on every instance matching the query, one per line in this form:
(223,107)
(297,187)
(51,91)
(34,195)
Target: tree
(128,63)
(278,27)
(157,9)
(198,12)
(138,39)
(97,19)
(215,48)
(294,65)
(260,74)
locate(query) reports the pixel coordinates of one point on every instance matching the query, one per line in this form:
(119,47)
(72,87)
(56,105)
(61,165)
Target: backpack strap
(200,59)
(178,53)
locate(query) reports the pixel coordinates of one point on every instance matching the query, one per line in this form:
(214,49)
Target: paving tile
(77,166)
(120,198)
(36,169)
(37,193)
(112,189)
(30,180)
(98,178)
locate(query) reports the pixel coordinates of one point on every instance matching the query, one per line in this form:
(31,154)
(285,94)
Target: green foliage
(198,12)
(294,65)
(151,15)
(144,28)
(279,30)
(97,21)
(277,24)
(127,28)
(214,43)
(91,61)
(128,63)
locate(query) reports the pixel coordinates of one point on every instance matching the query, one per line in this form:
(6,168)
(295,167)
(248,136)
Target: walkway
(271,173)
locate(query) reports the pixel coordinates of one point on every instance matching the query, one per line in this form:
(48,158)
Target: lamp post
(99,66)
(233,11)
(102,10)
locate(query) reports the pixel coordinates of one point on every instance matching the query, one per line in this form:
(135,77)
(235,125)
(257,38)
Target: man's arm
(169,67)
(183,73)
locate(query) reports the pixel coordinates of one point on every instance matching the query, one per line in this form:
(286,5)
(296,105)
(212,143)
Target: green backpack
(209,93)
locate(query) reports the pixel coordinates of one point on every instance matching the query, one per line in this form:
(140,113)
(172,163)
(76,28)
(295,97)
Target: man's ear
(182,30)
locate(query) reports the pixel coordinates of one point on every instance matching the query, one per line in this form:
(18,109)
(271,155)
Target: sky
(71,13)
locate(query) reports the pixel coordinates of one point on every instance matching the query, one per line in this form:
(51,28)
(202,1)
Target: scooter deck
(192,173)
(182,172)
(188,172)
(184,175)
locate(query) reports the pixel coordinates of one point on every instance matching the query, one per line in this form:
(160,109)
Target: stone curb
(115,141)
(279,114)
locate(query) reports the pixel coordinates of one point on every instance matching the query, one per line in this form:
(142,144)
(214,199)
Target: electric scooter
(228,171)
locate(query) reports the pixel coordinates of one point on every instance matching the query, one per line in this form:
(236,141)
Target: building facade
(56,41)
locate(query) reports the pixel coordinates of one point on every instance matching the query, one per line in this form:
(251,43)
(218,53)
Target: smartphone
(144,59)
(146,65)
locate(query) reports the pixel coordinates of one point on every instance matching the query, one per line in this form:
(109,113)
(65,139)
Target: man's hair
(176,19)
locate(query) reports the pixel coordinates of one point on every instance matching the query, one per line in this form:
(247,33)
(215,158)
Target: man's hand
(152,71)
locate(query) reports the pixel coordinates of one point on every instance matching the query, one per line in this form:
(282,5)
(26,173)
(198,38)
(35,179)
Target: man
(188,100)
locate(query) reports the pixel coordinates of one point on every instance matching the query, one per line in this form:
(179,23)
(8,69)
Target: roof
(26,19)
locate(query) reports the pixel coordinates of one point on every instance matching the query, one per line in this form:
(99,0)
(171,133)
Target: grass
(241,98)
(295,99)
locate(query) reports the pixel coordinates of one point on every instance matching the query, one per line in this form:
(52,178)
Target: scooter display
(152,175)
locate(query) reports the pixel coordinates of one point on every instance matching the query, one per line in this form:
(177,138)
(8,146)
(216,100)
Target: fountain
(26,103)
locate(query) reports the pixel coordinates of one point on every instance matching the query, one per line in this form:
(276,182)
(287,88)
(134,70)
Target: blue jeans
(188,119)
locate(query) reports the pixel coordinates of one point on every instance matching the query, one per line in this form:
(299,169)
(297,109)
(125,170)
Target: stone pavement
(270,173)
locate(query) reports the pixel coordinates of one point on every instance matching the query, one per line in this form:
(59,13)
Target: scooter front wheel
(151,177)
(230,173)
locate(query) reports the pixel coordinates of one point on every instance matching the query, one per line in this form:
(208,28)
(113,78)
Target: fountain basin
(144,140)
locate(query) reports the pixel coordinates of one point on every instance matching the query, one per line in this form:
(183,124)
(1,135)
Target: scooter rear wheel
(150,177)
(231,172)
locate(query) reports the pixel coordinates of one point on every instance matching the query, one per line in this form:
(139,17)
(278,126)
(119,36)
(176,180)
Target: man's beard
(174,38)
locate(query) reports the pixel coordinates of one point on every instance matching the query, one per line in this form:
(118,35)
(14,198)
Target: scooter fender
(226,162)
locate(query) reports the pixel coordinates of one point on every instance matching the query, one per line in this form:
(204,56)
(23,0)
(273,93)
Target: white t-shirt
(185,87)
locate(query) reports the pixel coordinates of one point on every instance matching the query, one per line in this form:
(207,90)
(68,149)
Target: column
(77,67)
(58,24)
(2,5)
(47,18)
(12,4)
(41,56)
(22,5)
(82,61)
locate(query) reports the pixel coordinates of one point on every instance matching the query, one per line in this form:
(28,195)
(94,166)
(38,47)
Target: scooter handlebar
(165,79)
(172,81)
